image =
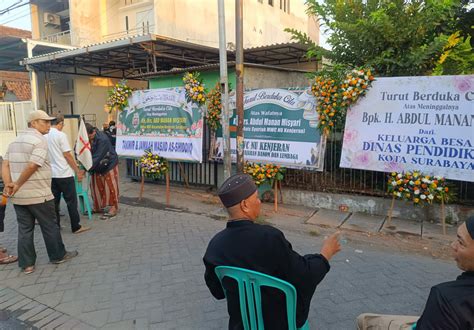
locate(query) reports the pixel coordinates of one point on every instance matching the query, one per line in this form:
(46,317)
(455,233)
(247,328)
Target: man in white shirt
(63,168)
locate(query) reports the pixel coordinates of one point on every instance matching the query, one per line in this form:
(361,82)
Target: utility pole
(239,73)
(224,90)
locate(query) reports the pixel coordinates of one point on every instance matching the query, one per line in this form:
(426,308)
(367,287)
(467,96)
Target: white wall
(85,21)
(90,96)
(262,24)
(60,101)
(189,20)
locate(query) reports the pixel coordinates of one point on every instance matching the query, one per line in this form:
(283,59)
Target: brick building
(14,80)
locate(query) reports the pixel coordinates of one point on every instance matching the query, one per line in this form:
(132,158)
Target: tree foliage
(457,58)
(395,37)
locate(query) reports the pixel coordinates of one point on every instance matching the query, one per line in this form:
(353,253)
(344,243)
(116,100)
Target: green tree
(395,37)
(457,58)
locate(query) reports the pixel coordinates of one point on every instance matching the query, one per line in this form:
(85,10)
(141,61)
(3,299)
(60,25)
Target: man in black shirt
(264,249)
(450,305)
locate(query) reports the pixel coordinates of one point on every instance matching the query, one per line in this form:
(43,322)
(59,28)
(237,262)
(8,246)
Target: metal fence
(182,173)
(333,179)
(13,117)
(203,174)
(342,180)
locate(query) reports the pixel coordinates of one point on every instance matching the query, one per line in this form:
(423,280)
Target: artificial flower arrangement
(214,107)
(335,93)
(195,89)
(262,173)
(152,165)
(118,96)
(419,188)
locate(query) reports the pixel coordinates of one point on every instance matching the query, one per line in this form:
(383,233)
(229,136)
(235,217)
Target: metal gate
(13,116)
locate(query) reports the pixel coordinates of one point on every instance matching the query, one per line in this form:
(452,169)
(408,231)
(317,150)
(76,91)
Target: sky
(20,18)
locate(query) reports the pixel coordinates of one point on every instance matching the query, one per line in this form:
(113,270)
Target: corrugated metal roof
(140,56)
(116,43)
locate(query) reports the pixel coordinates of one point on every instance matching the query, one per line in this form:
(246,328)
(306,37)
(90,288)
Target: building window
(270,2)
(285,6)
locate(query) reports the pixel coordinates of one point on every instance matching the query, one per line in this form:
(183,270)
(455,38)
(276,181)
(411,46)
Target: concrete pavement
(144,270)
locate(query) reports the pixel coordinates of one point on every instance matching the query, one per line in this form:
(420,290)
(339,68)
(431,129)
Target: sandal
(108,215)
(29,270)
(3,250)
(8,260)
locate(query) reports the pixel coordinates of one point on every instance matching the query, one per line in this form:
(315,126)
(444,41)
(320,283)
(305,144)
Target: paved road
(144,270)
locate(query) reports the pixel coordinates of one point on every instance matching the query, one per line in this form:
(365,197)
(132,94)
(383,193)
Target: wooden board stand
(142,187)
(443,216)
(276,187)
(390,212)
(168,188)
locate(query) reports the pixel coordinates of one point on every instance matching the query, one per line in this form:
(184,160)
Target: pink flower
(350,136)
(393,167)
(463,83)
(362,159)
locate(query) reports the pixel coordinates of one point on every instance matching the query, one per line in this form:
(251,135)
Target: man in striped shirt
(26,172)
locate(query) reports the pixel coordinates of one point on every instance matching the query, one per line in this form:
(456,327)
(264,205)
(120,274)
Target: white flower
(399,194)
(399,176)
(417,192)
(430,196)
(439,188)
(411,182)
(423,196)
(394,183)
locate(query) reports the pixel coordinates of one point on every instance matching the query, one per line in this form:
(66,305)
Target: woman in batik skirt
(104,174)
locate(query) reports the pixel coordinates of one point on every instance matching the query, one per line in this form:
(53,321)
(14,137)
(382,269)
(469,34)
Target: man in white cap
(26,172)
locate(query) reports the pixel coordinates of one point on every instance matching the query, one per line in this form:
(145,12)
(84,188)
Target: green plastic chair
(83,196)
(249,283)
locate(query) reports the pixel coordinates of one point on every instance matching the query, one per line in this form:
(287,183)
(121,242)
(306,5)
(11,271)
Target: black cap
(470,225)
(236,189)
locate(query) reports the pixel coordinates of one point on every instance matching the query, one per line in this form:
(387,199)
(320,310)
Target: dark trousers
(44,213)
(66,187)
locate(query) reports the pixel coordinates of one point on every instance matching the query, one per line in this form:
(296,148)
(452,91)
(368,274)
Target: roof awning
(13,51)
(277,54)
(140,57)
